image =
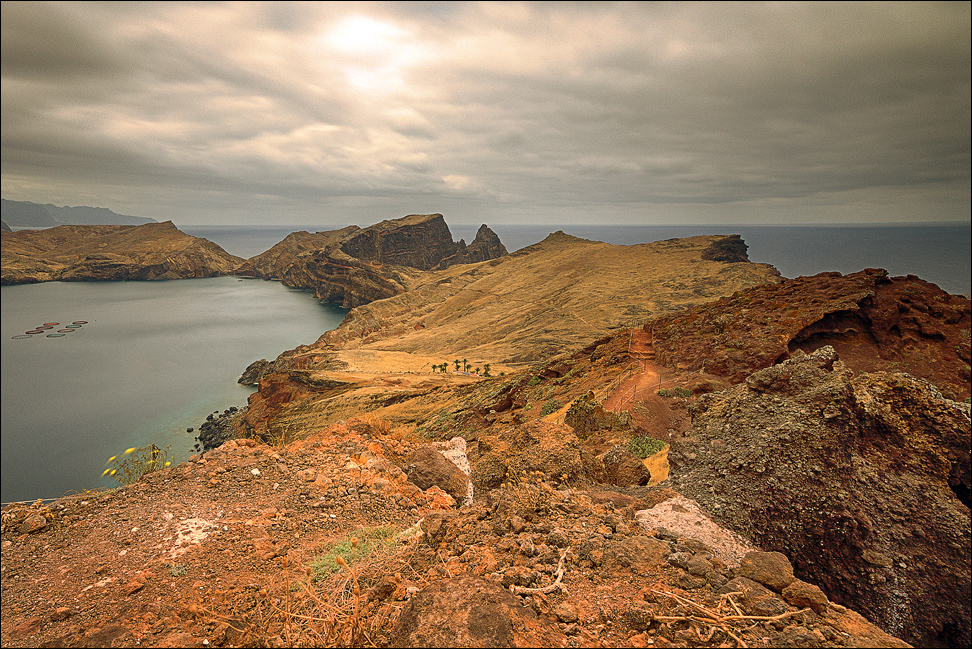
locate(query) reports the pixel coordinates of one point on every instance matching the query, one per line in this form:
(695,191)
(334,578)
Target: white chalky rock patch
(188,533)
(455,451)
(682,516)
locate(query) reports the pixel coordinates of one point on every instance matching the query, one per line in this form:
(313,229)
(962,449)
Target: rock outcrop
(875,322)
(356,266)
(110,252)
(862,481)
(339,278)
(485,246)
(274,262)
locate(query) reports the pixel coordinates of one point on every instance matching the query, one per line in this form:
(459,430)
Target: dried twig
(714,619)
(523,590)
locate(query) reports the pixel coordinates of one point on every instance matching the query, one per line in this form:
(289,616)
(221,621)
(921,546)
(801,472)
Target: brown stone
(771,569)
(639,554)
(624,468)
(639,616)
(61,613)
(803,595)
(471,612)
(427,468)
(566,612)
(32,524)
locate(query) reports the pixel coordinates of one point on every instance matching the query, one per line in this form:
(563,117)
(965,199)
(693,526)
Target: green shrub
(645,447)
(534,381)
(131,465)
(675,392)
(551,406)
(361,543)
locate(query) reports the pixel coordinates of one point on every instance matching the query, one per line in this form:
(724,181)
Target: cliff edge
(356,266)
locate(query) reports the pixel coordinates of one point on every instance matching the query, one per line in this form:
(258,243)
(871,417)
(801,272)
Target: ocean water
(938,253)
(153,359)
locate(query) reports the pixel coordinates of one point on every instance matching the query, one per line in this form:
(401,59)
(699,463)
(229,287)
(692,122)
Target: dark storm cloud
(632,112)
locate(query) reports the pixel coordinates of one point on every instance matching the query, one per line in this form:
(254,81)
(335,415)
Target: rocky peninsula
(69,253)
(472,458)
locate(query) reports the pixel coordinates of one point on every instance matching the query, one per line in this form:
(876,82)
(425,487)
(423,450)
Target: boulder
(858,480)
(772,569)
(624,468)
(427,468)
(472,612)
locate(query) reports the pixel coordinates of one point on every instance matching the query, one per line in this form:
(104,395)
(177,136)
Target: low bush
(675,392)
(551,406)
(645,447)
(356,546)
(131,465)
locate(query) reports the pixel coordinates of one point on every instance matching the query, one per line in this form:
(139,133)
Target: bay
(153,359)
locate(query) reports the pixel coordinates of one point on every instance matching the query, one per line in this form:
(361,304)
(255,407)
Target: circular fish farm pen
(47,328)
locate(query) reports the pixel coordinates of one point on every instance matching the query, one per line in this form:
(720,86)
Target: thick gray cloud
(558,113)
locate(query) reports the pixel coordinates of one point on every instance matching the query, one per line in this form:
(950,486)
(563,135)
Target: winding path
(645,374)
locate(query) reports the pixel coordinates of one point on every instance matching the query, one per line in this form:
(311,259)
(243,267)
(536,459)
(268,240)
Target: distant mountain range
(24,214)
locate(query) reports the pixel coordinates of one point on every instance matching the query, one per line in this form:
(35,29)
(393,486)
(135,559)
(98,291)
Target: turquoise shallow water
(153,359)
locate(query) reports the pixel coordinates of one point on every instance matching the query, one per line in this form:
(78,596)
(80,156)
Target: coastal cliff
(356,266)
(110,252)
(273,263)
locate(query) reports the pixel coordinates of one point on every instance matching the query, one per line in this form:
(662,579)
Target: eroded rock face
(624,468)
(356,266)
(586,416)
(533,448)
(339,278)
(873,321)
(485,246)
(272,263)
(70,253)
(855,479)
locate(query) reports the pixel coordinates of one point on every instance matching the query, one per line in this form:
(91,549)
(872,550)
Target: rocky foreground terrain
(812,489)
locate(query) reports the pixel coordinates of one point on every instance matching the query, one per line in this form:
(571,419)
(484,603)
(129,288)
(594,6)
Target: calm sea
(153,359)
(157,357)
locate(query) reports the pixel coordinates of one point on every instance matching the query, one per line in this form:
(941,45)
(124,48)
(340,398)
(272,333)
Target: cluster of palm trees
(460,364)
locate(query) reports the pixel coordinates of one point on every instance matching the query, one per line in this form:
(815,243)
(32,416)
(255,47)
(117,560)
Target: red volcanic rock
(873,321)
(471,612)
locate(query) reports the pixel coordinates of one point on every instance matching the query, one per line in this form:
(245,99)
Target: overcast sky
(330,113)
